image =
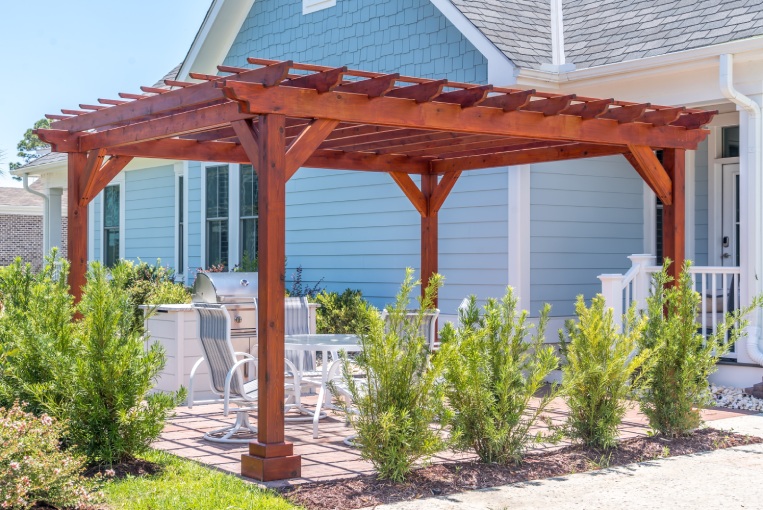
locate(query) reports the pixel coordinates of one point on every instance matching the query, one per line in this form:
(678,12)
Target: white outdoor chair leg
(241,425)
(317,416)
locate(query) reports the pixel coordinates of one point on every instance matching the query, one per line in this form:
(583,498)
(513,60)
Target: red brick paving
(327,457)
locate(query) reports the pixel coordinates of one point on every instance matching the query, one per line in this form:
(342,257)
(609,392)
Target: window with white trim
(111,225)
(216,213)
(309,6)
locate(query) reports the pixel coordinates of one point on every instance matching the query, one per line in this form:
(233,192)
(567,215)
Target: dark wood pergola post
(336,118)
(270,457)
(77,234)
(429,233)
(674,215)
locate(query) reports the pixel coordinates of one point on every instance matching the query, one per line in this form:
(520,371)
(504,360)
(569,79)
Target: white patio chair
(427,328)
(225,374)
(299,366)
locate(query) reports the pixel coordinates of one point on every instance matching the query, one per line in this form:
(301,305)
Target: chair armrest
(229,378)
(189,400)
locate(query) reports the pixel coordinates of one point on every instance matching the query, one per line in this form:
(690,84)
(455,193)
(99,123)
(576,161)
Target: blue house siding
(357,229)
(407,36)
(700,205)
(150,215)
(586,217)
(97,222)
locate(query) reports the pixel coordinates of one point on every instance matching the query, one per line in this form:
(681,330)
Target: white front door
(730,223)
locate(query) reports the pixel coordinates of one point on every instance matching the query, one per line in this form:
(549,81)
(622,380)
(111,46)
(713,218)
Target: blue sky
(57,54)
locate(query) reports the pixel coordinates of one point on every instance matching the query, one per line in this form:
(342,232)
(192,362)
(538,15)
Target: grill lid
(224,287)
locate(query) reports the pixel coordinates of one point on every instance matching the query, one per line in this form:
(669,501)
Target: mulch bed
(449,478)
(134,467)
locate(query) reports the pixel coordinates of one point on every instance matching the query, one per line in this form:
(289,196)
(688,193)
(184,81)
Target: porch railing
(718,286)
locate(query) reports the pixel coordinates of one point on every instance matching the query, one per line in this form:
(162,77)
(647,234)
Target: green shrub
(682,358)
(112,416)
(37,335)
(247,264)
(347,312)
(400,396)
(601,368)
(492,373)
(148,284)
(33,469)
(93,373)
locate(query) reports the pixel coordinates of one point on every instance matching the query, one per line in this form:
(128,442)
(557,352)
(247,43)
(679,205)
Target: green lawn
(184,484)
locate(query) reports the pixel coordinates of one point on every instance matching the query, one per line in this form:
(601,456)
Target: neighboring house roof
(48,159)
(599,32)
(19,197)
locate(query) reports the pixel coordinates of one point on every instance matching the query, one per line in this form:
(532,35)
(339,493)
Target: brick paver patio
(327,457)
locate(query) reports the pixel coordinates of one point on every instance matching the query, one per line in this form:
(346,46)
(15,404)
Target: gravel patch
(735,398)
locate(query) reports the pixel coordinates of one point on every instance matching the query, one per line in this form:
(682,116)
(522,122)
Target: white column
(54,234)
(519,233)
(750,196)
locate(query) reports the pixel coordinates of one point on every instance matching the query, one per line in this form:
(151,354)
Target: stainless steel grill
(237,292)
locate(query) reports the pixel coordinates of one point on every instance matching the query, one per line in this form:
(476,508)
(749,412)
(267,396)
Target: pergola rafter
(280,116)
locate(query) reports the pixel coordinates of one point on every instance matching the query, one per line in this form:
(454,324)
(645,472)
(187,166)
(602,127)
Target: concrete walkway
(727,479)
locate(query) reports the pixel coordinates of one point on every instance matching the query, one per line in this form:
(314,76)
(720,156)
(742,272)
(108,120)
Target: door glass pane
(248,193)
(248,238)
(736,216)
(730,144)
(111,247)
(217,191)
(111,206)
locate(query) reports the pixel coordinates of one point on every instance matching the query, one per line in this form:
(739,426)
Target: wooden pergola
(281,116)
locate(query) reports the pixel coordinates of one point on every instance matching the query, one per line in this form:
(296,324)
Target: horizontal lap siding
(150,215)
(700,205)
(337,231)
(586,217)
(97,222)
(356,229)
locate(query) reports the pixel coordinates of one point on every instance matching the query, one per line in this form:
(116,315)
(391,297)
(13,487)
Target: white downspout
(755,195)
(45,214)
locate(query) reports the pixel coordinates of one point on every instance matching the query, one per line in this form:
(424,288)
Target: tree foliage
(29,145)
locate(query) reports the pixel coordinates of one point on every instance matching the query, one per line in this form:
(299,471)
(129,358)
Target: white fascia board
(215,37)
(500,69)
(681,60)
(21,210)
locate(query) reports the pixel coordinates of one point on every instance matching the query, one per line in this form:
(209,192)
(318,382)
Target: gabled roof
(599,32)
(519,28)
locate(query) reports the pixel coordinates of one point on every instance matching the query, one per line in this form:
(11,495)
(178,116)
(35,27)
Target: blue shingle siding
(149,215)
(406,36)
(586,217)
(357,229)
(700,205)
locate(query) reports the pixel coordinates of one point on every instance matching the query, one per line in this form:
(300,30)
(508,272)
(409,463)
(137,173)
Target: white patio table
(300,345)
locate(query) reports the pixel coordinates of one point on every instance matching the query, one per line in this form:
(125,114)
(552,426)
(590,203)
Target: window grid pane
(110,225)
(248,213)
(217,215)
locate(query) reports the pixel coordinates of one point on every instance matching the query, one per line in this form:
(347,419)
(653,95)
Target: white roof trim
(21,210)
(500,69)
(215,37)
(698,57)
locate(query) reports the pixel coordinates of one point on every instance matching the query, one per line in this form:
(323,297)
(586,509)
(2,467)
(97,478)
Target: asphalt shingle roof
(599,32)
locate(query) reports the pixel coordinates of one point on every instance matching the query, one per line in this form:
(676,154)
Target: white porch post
(612,290)
(519,233)
(751,220)
(55,226)
(642,280)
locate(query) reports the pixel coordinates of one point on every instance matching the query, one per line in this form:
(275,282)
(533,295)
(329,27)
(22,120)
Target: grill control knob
(238,319)
(244,283)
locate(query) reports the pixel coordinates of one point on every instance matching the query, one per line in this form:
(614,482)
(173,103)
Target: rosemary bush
(347,312)
(600,371)
(682,358)
(492,373)
(400,397)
